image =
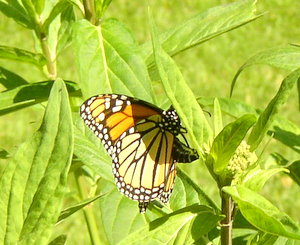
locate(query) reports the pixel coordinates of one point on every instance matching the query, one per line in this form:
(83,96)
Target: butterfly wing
(142,163)
(110,115)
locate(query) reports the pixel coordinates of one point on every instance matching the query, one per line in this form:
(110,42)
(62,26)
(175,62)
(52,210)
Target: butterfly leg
(143,206)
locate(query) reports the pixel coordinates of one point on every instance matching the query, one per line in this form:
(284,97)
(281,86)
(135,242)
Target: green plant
(108,59)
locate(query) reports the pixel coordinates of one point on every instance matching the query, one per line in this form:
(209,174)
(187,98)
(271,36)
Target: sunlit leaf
(71,210)
(65,30)
(90,151)
(281,129)
(283,57)
(59,8)
(218,122)
(29,94)
(199,219)
(31,12)
(13,9)
(256,178)
(227,141)
(22,55)
(34,182)
(108,60)
(203,27)
(267,116)
(120,215)
(60,240)
(186,193)
(10,79)
(38,5)
(181,96)
(263,214)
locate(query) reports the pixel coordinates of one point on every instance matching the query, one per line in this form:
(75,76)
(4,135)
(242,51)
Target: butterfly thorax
(170,122)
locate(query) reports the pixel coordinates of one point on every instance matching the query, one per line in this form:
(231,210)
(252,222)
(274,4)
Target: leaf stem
(226,224)
(51,64)
(88,211)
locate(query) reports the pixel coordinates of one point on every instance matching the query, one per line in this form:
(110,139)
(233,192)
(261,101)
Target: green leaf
(267,116)
(227,141)
(120,215)
(59,8)
(198,229)
(29,94)
(265,239)
(218,123)
(79,5)
(256,178)
(281,129)
(286,241)
(268,239)
(187,193)
(298,88)
(71,210)
(10,79)
(108,60)
(262,214)
(282,57)
(13,9)
(3,154)
(181,96)
(101,6)
(65,30)
(22,56)
(60,240)
(38,6)
(295,171)
(203,27)
(229,106)
(34,182)
(89,150)
(199,220)
(242,232)
(31,13)
(286,132)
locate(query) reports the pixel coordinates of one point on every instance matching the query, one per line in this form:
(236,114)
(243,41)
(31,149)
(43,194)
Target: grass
(208,68)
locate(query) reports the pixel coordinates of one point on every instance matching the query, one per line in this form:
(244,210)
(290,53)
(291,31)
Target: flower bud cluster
(241,160)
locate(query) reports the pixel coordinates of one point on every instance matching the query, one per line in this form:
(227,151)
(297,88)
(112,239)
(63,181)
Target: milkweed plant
(61,174)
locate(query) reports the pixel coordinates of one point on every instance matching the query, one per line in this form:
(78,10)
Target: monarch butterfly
(142,142)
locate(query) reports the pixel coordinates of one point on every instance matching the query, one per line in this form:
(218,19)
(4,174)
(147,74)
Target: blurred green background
(208,69)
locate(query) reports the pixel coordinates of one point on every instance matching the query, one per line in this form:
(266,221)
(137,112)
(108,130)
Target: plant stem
(88,211)
(89,9)
(51,64)
(226,223)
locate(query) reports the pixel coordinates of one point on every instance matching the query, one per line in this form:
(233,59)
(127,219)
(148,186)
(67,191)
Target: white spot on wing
(116,108)
(101,116)
(119,102)
(107,105)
